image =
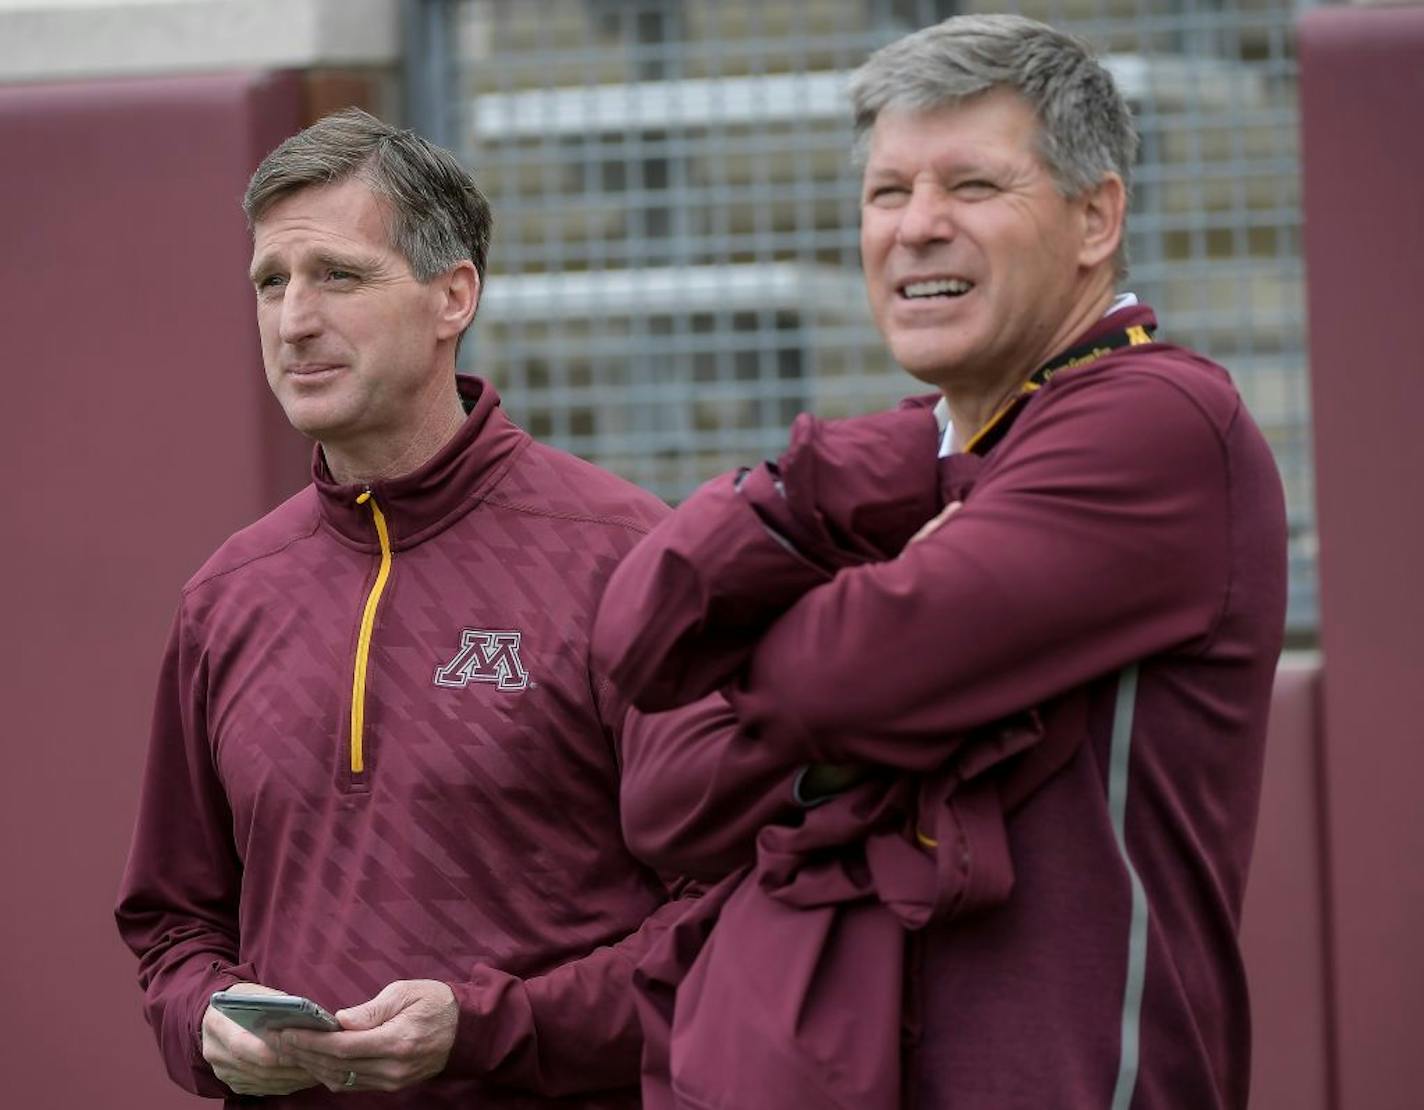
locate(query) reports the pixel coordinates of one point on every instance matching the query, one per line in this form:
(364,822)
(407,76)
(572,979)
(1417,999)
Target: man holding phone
(383,772)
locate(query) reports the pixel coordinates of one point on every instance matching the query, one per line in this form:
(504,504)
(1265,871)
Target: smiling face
(357,350)
(977,269)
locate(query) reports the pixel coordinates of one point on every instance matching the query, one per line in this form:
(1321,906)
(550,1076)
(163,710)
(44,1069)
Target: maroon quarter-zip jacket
(1117,575)
(462,827)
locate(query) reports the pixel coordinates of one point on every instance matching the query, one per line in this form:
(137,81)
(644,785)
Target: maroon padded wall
(137,432)
(1283,925)
(1362,114)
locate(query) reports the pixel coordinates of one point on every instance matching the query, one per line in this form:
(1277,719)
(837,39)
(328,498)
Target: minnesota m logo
(485,657)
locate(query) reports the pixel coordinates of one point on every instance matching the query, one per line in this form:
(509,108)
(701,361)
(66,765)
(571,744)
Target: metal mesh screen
(675,270)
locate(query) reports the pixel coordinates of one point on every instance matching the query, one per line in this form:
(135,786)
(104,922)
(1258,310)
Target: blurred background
(674,276)
(677,271)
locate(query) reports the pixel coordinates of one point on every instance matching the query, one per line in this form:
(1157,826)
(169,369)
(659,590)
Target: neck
(974,404)
(392,456)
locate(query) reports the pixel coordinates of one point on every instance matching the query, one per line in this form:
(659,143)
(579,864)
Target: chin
(930,354)
(312,420)
(930,366)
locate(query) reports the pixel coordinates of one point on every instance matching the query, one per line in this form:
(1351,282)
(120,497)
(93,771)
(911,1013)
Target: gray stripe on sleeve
(1123,711)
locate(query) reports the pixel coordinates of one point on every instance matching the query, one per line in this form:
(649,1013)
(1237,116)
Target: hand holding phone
(238,1047)
(260,1013)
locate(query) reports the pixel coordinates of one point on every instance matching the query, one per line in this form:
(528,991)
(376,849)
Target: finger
(394,998)
(267,1075)
(936,522)
(301,1044)
(270,1089)
(226,1042)
(359,1075)
(305,1040)
(277,1081)
(324,1065)
(251,1053)
(381,1073)
(365,1018)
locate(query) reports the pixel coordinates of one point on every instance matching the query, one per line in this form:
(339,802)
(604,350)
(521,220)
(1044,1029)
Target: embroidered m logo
(485,656)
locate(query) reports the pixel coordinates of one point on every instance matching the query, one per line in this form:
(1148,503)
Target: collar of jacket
(1133,315)
(431,498)
(959,470)
(1082,350)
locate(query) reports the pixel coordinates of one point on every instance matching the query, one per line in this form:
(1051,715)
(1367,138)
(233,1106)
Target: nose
(926,217)
(301,312)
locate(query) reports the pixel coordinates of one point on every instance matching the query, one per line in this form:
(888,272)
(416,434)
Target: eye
(886,196)
(975,189)
(270,282)
(340,275)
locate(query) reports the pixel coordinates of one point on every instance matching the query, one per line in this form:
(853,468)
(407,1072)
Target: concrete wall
(53,40)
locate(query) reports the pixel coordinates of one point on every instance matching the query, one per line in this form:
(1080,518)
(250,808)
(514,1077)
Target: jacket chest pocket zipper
(363,639)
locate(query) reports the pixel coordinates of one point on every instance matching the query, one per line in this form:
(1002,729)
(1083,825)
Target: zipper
(363,640)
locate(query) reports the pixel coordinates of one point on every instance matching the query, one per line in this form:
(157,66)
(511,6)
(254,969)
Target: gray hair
(439,217)
(1085,129)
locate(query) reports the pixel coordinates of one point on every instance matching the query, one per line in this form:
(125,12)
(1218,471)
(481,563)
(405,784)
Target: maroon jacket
(467,831)
(1114,587)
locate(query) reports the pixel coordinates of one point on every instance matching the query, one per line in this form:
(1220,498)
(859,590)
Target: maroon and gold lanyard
(998,425)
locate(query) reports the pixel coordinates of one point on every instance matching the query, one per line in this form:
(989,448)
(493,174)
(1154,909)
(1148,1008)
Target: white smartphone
(259,1012)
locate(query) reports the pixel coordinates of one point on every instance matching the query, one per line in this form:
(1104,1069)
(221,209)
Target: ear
(1103,209)
(460,291)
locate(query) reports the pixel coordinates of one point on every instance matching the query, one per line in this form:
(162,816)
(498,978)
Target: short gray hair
(439,217)
(1085,129)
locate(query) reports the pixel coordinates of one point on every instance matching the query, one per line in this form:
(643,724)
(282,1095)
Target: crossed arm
(1103,538)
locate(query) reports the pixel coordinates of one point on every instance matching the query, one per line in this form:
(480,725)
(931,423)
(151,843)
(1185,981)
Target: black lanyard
(984,440)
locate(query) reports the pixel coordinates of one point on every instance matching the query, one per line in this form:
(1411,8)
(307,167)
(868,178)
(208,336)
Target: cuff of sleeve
(220,977)
(974,868)
(761,489)
(685,607)
(860,488)
(495,1037)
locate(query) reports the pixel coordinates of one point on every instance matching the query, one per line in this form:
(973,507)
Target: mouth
(933,289)
(312,369)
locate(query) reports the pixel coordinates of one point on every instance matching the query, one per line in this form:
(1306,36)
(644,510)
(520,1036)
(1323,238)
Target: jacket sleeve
(575,1028)
(1101,538)
(684,610)
(178,901)
(571,1030)
(696,789)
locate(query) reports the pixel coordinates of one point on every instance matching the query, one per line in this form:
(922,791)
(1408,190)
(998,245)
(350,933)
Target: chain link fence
(675,271)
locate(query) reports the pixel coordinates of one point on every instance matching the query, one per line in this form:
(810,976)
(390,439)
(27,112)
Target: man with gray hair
(1000,659)
(383,773)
